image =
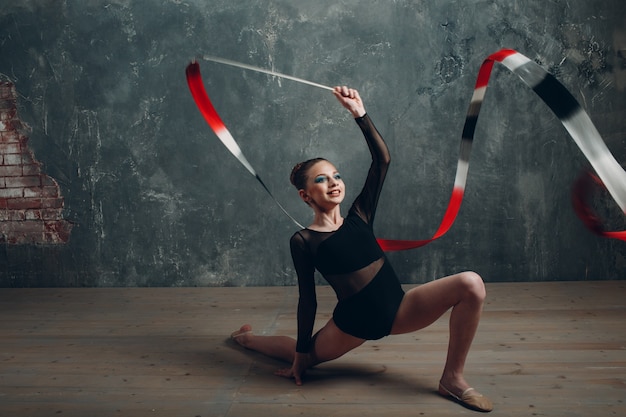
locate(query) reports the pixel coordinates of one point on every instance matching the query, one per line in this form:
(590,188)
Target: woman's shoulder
(299,236)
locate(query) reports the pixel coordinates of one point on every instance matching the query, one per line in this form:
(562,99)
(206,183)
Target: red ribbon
(582,191)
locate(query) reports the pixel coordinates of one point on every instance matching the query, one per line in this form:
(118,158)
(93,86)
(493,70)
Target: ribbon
(571,115)
(609,173)
(194,80)
(582,191)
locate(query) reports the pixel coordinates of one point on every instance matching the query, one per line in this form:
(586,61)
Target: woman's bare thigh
(424,304)
(331,343)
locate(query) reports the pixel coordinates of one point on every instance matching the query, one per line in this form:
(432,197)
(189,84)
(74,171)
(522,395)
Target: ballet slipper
(470,398)
(238,333)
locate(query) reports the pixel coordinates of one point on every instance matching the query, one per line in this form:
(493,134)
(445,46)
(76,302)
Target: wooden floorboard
(542,349)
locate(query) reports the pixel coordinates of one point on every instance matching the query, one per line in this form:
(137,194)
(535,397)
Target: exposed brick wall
(31,204)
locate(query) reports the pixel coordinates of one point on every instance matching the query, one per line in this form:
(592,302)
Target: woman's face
(324,187)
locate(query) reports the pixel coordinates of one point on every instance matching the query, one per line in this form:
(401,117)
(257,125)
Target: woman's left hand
(297,369)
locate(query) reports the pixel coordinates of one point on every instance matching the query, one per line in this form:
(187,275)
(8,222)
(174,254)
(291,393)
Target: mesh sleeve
(307,301)
(366,202)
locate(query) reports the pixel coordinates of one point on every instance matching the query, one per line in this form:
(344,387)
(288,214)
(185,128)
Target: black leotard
(350,259)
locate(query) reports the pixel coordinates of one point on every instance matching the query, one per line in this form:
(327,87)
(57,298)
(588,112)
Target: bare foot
(241,336)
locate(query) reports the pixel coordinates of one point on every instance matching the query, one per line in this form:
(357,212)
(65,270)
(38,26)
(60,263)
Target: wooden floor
(543,349)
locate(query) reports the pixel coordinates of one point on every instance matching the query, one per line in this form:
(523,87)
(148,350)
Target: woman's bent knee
(473,285)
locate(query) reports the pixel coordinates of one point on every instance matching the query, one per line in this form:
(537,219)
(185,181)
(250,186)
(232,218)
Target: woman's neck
(327,221)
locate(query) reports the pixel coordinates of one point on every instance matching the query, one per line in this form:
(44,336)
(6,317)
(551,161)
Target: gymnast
(371,302)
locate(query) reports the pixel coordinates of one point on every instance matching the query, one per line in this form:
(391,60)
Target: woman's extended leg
(329,343)
(423,305)
(277,347)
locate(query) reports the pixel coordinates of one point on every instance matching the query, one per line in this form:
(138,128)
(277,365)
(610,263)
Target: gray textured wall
(157,201)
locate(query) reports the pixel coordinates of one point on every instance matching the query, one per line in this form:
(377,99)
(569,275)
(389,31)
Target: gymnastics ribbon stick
(571,115)
(264,71)
(196,86)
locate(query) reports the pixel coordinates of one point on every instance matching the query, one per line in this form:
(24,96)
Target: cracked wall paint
(155,200)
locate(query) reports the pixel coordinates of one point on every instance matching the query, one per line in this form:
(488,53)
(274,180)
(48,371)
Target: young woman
(371,302)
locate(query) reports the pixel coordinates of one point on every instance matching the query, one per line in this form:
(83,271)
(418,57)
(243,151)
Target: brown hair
(299,172)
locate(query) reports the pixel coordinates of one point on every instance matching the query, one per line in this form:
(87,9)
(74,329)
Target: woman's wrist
(358,113)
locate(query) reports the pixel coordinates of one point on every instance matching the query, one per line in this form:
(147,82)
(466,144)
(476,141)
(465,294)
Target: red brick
(32,215)
(32,192)
(11,192)
(50,192)
(24,203)
(37,232)
(32,169)
(4,203)
(7,148)
(9,137)
(22,227)
(12,159)
(47,203)
(51,214)
(11,171)
(29,159)
(9,111)
(16,215)
(21,182)
(60,229)
(9,125)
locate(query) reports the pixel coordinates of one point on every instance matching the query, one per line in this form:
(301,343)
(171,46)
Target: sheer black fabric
(348,258)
